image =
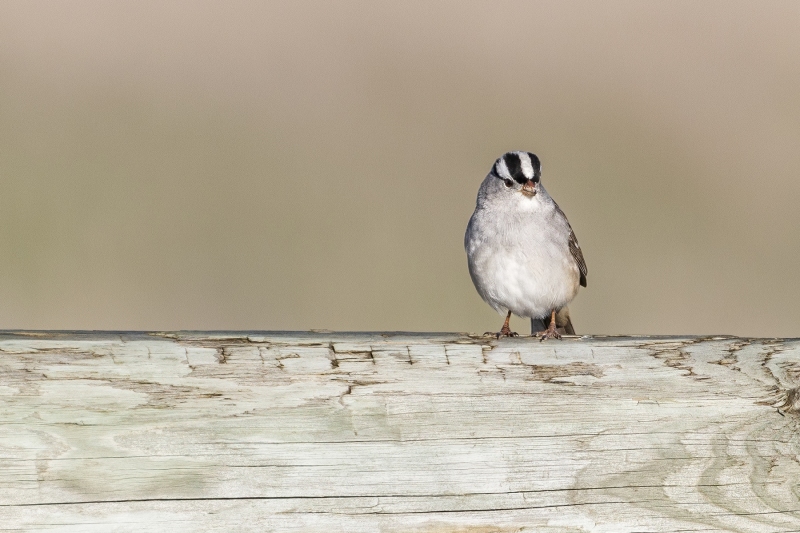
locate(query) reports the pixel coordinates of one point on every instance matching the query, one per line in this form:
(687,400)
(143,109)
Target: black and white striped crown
(518,166)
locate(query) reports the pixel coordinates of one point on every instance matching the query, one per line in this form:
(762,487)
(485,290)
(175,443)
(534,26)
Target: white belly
(527,284)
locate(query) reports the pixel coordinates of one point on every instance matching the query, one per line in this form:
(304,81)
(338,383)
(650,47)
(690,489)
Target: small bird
(522,253)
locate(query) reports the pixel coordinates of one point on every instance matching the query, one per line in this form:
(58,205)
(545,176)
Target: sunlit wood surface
(366,432)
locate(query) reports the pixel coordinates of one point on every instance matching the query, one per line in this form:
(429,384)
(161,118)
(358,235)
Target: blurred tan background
(295,165)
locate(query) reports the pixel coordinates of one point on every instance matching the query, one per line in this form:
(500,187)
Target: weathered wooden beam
(362,432)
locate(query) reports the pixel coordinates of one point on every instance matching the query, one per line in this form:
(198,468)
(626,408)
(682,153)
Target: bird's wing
(575,248)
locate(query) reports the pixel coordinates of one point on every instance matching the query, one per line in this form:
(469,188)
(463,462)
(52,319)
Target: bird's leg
(550,332)
(505,331)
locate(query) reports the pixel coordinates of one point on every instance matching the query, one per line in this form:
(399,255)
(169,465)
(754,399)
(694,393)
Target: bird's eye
(508,182)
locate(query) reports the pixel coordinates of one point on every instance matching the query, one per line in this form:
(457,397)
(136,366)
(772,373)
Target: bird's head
(518,172)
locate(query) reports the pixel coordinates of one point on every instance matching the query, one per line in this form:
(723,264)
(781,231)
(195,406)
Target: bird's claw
(504,332)
(549,333)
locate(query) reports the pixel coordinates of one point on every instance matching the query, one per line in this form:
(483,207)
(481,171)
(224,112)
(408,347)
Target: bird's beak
(529,189)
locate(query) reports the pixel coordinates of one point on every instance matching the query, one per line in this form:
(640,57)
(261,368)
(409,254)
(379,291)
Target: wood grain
(325,432)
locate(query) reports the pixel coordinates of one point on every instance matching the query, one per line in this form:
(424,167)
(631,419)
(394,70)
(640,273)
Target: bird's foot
(550,333)
(505,331)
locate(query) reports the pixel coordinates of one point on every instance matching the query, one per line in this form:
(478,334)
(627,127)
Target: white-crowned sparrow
(522,253)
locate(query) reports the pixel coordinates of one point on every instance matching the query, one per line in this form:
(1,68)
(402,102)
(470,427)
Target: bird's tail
(563,323)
